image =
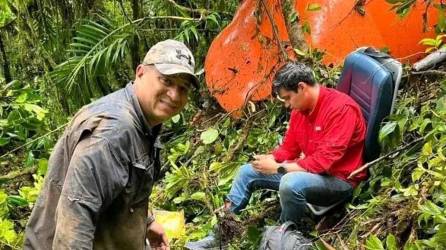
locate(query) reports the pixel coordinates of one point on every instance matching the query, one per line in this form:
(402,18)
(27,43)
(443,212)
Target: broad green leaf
(313,7)
(417,173)
(427,149)
(7,233)
(22,98)
(293,17)
(299,52)
(424,124)
(199,196)
(16,200)
(225,180)
(178,200)
(391,242)
(428,42)
(387,130)
(215,166)
(30,159)
(3,141)
(412,190)
(253,233)
(209,136)
(440,236)
(3,204)
(40,112)
(3,123)
(306,27)
(176,118)
(42,166)
(30,194)
(6,15)
(373,243)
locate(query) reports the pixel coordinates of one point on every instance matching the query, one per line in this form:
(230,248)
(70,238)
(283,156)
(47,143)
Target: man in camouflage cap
(102,169)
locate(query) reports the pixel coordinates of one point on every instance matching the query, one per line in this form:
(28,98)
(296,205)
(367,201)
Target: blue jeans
(295,190)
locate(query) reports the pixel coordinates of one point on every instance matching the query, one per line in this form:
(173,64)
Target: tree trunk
(293,25)
(137,13)
(6,71)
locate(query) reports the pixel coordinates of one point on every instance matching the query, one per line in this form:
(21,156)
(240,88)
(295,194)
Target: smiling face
(160,96)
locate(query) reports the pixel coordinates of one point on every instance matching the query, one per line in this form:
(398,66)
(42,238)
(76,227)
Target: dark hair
(289,76)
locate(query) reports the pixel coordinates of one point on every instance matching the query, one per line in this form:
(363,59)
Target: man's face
(299,99)
(160,96)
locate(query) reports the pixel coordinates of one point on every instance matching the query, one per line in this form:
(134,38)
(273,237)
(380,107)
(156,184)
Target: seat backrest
(371,78)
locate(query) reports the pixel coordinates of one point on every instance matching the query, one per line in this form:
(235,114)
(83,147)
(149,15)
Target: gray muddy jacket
(100,176)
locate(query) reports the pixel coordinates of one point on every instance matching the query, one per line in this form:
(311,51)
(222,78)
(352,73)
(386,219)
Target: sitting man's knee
(246,170)
(292,184)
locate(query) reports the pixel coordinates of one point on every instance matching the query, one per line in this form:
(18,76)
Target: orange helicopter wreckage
(244,57)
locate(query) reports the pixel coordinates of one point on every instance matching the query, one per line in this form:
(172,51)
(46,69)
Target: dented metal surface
(244,57)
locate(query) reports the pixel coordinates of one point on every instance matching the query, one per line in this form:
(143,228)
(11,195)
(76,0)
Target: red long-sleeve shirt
(331,138)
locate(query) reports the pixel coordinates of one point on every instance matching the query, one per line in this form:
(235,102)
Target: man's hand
(157,237)
(264,156)
(265,164)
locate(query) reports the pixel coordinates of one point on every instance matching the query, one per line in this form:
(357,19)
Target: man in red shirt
(323,145)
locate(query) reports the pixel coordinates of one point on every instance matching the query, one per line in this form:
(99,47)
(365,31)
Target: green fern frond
(96,47)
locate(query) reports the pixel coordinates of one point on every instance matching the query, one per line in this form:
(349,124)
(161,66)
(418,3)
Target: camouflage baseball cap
(172,57)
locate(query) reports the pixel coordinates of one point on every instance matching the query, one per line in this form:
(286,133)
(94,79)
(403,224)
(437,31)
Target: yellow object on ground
(172,222)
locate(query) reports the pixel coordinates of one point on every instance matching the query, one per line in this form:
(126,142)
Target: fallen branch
(326,245)
(344,246)
(340,226)
(371,231)
(14,174)
(275,31)
(431,72)
(240,143)
(368,164)
(430,60)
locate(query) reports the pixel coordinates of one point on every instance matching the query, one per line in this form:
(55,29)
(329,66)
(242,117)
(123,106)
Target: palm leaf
(97,46)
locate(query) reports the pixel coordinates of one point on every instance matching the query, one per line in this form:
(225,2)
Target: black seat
(371,78)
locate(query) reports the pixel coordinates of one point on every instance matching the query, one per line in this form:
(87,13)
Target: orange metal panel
(244,57)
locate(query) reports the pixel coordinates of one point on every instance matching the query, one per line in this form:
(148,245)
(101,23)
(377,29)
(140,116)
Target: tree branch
(275,31)
(184,8)
(432,72)
(240,143)
(367,165)
(431,59)
(18,173)
(197,11)
(294,28)
(121,5)
(6,71)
